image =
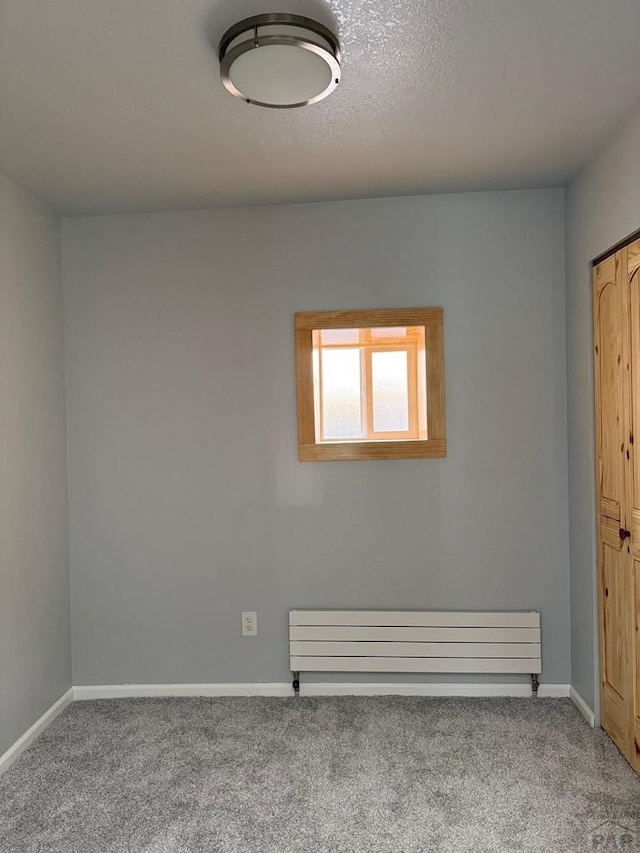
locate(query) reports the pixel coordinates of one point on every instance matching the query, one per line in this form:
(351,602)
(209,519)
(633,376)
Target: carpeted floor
(330,775)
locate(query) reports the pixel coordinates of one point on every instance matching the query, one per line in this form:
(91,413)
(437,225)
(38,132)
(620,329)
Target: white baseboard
(557,691)
(14,752)
(582,706)
(554,691)
(124,691)
(276,688)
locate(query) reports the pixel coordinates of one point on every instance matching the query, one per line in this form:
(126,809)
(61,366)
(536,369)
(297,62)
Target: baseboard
(556,691)
(14,752)
(124,691)
(311,688)
(582,706)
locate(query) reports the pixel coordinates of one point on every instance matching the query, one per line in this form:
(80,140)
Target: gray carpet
(346,775)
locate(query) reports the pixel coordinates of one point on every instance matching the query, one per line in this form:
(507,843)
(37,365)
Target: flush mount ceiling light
(279,61)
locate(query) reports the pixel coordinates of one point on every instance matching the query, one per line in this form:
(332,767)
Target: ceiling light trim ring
(251,27)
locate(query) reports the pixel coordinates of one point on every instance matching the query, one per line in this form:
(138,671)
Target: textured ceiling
(116,105)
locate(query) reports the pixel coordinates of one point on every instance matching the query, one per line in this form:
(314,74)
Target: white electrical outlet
(249,623)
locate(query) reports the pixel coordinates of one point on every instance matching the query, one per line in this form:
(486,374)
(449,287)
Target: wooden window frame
(433,446)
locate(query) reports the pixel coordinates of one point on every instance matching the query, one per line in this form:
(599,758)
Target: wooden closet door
(633,278)
(612,387)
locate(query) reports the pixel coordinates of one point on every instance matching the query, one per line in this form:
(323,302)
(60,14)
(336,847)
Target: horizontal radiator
(414,641)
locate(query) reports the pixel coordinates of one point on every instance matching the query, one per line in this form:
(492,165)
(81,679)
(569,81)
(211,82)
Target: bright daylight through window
(369,384)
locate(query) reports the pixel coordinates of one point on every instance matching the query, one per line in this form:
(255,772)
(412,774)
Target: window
(370,384)
(365,384)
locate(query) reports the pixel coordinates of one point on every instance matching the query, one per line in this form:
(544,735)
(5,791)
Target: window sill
(342,451)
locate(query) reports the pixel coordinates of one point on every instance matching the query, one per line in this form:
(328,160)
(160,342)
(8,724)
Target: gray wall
(35,647)
(603,207)
(187,502)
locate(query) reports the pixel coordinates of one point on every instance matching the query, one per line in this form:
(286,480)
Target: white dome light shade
(279,61)
(280,74)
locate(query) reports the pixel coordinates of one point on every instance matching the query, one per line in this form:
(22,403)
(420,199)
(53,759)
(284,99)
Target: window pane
(390,391)
(340,336)
(389,332)
(341,404)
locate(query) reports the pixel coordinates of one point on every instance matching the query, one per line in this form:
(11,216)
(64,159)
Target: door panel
(615,696)
(610,381)
(613,568)
(610,508)
(612,386)
(610,534)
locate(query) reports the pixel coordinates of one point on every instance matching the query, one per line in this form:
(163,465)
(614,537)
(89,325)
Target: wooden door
(613,441)
(632,263)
